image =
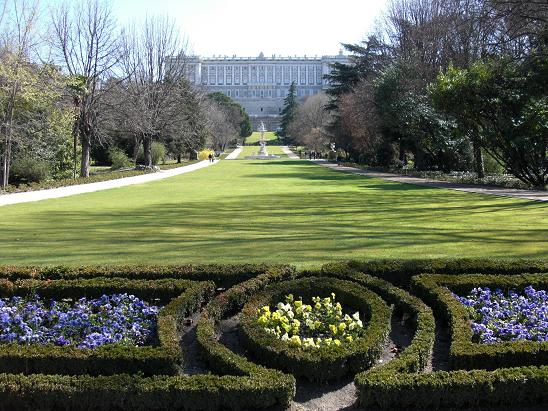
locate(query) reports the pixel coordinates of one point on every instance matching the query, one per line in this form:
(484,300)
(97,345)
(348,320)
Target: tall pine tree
(290,109)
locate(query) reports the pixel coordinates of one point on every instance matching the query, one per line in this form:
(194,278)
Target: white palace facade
(261,83)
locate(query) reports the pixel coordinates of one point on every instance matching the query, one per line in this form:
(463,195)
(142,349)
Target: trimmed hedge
(162,358)
(329,362)
(400,272)
(274,387)
(438,290)
(223,275)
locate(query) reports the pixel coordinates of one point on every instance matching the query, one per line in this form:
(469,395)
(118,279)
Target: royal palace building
(261,83)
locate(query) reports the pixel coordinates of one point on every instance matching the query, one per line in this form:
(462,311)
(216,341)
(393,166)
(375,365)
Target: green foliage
(26,169)
(118,159)
(327,362)
(223,275)
(290,109)
(503,103)
(157,151)
(235,111)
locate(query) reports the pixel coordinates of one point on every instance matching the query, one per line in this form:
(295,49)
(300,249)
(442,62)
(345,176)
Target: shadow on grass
(307,227)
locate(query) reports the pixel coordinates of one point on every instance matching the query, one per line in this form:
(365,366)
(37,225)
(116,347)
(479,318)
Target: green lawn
(255,137)
(269,211)
(252,150)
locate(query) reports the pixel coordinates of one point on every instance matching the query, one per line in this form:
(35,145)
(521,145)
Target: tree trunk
(147,150)
(74,154)
(478,159)
(86,150)
(179,158)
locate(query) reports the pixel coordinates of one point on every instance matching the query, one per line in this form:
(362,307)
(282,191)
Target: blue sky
(247,27)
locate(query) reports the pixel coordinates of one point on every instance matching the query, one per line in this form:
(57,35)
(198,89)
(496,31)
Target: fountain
(262,154)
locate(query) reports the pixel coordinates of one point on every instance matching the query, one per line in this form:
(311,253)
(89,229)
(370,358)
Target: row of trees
(81,84)
(446,85)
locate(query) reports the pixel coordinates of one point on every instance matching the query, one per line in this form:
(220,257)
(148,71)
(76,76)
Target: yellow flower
(295,340)
(336,342)
(342,327)
(349,338)
(333,329)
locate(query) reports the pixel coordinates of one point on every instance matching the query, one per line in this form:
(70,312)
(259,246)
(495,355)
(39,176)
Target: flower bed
(313,359)
(311,326)
(497,317)
(88,323)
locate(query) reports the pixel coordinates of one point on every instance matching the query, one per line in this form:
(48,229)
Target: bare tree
(86,42)
(15,49)
(221,130)
(311,120)
(153,80)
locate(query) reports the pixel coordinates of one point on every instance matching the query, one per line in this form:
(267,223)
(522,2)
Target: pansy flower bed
(86,323)
(316,325)
(496,317)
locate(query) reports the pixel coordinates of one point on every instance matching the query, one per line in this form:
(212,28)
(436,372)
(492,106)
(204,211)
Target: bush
(29,170)
(465,354)
(204,154)
(161,358)
(157,151)
(328,362)
(118,159)
(223,275)
(400,272)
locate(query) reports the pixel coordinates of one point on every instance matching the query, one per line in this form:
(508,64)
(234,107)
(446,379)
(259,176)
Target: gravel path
(234,155)
(26,197)
(469,188)
(290,153)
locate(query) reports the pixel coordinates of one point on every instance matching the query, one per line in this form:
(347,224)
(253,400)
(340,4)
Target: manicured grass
(269,211)
(253,150)
(256,136)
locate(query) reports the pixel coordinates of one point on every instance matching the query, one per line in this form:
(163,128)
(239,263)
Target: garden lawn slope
(270,211)
(254,138)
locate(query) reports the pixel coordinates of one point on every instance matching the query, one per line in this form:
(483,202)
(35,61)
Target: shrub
(26,169)
(204,154)
(157,151)
(118,159)
(438,290)
(327,362)
(161,358)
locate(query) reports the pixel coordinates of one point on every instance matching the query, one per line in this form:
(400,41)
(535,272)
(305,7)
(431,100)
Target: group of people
(211,157)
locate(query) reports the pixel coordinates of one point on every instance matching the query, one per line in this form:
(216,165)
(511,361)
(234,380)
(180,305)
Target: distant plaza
(260,83)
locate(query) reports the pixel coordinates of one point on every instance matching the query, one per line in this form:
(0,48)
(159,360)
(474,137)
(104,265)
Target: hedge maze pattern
(150,378)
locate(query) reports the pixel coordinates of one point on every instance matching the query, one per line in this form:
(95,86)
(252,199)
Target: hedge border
(184,296)
(325,364)
(276,387)
(400,272)
(223,275)
(399,384)
(438,290)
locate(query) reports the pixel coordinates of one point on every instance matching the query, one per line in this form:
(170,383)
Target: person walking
(210,156)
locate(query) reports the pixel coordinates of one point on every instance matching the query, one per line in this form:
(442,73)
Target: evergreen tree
(290,109)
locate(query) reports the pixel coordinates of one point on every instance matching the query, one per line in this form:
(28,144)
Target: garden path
(290,153)
(29,196)
(469,188)
(234,155)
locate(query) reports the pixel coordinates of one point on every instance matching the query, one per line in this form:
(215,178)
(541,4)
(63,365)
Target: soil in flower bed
(85,323)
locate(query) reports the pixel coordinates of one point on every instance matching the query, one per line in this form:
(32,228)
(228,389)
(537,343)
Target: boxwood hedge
(438,290)
(329,362)
(183,297)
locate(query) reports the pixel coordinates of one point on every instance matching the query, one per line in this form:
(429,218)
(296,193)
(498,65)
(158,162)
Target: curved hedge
(162,358)
(465,354)
(328,362)
(272,387)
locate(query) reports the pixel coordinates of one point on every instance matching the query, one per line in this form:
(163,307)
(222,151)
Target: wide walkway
(290,153)
(29,196)
(469,188)
(234,155)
